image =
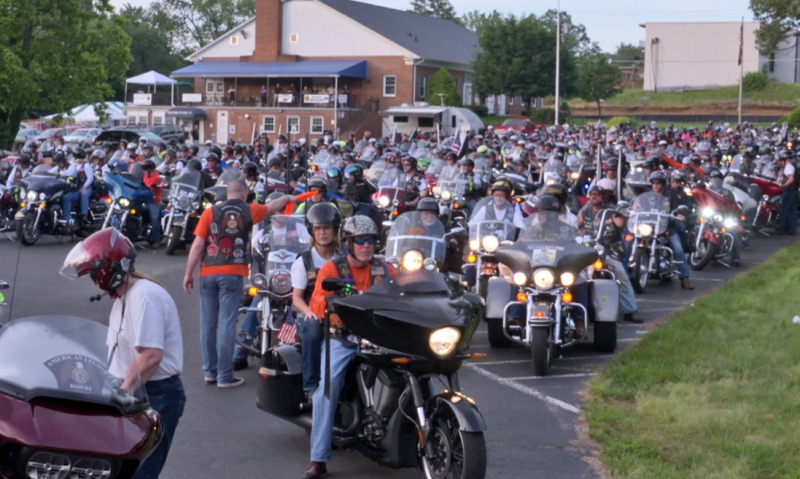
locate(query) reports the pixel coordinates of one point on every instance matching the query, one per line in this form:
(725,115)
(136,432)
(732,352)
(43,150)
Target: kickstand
(723,263)
(761,230)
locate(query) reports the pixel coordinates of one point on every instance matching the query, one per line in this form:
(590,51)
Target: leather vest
(311,274)
(491,214)
(228,240)
(378,271)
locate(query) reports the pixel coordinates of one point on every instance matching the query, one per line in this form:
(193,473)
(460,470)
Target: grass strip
(712,393)
(784,93)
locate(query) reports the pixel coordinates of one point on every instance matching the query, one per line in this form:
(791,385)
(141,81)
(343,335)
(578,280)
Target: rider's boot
(685,284)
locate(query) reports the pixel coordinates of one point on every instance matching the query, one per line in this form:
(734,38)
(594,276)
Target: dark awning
(305,68)
(186,113)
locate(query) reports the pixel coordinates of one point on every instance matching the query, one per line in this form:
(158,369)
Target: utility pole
(558,59)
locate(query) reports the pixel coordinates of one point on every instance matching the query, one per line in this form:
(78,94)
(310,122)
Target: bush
(793,118)
(621,119)
(479,110)
(442,83)
(754,81)
(564,113)
(546,116)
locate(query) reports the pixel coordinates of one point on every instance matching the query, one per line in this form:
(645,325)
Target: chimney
(269,29)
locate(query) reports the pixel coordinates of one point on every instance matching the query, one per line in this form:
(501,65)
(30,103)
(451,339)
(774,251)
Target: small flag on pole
(288,329)
(458,141)
(741,42)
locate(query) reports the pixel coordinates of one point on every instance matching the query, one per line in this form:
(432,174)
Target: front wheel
(28,231)
(497,339)
(639,272)
(605,337)
(458,454)
(174,240)
(706,251)
(541,351)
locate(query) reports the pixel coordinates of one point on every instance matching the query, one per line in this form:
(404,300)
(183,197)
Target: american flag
(458,141)
(741,42)
(288,330)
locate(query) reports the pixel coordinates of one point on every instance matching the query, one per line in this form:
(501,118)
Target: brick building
(324,65)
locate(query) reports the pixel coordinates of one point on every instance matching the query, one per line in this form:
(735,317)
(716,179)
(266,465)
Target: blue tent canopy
(305,68)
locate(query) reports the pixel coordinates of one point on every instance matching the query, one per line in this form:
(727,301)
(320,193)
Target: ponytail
(138,275)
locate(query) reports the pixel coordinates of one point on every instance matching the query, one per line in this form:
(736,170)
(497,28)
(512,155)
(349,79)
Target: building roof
(430,38)
(303,68)
(414,110)
(150,78)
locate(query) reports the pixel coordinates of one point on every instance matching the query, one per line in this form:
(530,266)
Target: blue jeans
(627,299)
(220,295)
(674,241)
(250,327)
(312,338)
(324,409)
(168,398)
(154,212)
(66,203)
(737,239)
(787,223)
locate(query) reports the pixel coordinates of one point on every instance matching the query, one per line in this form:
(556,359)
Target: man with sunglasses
(589,215)
(358,236)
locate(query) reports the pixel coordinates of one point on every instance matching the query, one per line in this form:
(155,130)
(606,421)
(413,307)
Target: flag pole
(741,70)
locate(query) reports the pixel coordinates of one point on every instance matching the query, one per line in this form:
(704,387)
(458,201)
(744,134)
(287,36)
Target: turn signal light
(522,297)
(519,199)
(394,212)
(538,314)
(41,206)
(133,212)
(477,356)
(723,230)
(702,220)
(456,206)
(566,297)
(471,258)
(401,360)
(598,264)
(741,218)
(629,238)
(252,291)
(109,200)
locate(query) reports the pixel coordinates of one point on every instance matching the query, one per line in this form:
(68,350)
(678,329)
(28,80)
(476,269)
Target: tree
(598,80)
(573,35)
(473,20)
(628,55)
(151,47)
(193,24)
(56,54)
(442,89)
(434,8)
(778,18)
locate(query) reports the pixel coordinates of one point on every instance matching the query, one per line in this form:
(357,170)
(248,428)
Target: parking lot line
(555,376)
(524,389)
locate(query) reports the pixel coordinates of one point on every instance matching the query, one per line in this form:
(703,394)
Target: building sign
(285,98)
(316,98)
(192,97)
(142,99)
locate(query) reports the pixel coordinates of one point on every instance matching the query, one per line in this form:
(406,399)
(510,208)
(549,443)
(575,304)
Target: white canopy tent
(153,78)
(87,113)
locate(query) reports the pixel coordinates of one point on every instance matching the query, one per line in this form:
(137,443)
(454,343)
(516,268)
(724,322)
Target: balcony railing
(282,101)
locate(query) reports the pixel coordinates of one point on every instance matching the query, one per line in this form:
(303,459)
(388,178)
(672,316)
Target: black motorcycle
(184,210)
(418,325)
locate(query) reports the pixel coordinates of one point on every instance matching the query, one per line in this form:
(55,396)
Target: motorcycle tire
(173,240)
(459,454)
(541,351)
(605,337)
(27,234)
(497,339)
(704,254)
(639,273)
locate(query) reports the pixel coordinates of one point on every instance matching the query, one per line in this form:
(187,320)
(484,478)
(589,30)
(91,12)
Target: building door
(501,104)
(490,104)
(467,94)
(214,92)
(222,127)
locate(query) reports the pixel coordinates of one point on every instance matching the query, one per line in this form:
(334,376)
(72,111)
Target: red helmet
(106,256)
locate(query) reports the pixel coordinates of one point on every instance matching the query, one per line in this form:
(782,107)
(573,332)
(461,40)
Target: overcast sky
(608,22)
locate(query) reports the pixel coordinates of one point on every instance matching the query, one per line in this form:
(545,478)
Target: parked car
(53,134)
(168,132)
(115,135)
(517,124)
(82,134)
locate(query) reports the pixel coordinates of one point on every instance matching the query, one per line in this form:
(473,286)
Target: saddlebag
(605,300)
(498,293)
(280,386)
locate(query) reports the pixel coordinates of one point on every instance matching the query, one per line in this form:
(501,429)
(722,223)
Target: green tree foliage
(151,47)
(792,118)
(434,8)
(598,79)
(56,54)
(472,20)
(573,35)
(442,89)
(518,58)
(628,55)
(779,18)
(755,81)
(192,24)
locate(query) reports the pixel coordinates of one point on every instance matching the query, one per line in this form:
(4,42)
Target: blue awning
(305,68)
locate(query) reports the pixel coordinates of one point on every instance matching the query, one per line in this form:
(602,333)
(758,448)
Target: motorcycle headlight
(429,264)
(574,175)
(259,281)
(436,191)
(520,278)
(124,202)
(708,212)
(412,260)
(42,196)
(729,222)
(567,279)
(196,205)
(446,195)
(281,283)
(87,468)
(384,201)
(490,243)
(444,341)
(45,464)
(718,218)
(31,196)
(645,229)
(474,244)
(543,279)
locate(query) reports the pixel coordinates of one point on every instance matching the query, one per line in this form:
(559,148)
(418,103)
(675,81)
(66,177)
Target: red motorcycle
(66,411)
(719,218)
(769,206)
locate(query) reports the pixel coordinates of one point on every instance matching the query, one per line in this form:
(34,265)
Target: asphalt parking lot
(532,422)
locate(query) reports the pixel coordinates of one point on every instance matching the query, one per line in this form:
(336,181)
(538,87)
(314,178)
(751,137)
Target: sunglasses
(363,241)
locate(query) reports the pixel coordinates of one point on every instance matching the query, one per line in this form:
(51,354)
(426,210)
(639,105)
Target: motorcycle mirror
(332,284)
(3,285)
(387,224)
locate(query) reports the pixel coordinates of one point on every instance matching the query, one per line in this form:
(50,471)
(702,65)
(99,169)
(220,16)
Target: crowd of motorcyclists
(540,226)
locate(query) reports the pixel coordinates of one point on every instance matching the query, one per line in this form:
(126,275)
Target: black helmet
(59,157)
(410,159)
(333,172)
(659,176)
(466,161)
(163,145)
(716,174)
(501,185)
(217,151)
(148,146)
(612,164)
(428,204)
(348,157)
(79,153)
(195,164)
(786,155)
(323,214)
(183,148)
(251,168)
(275,161)
(212,156)
(194,149)
(24,159)
(238,148)
(171,152)
(679,176)
(548,203)
(148,164)
(319,183)
(356,170)
(557,190)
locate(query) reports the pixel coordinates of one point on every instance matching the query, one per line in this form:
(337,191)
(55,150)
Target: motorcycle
(485,236)
(40,207)
(452,204)
(719,218)
(415,327)
(184,210)
(540,272)
(8,208)
(71,381)
(219,192)
(128,199)
(417,241)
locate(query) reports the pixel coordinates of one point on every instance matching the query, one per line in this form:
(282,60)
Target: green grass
(712,393)
(788,93)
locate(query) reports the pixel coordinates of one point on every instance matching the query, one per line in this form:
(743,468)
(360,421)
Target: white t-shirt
(151,321)
(788,170)
(299,273)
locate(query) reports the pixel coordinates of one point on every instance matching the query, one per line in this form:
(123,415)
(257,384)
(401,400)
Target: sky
(607,22)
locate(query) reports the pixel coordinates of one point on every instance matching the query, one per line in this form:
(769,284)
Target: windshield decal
(545,255)
(75,372)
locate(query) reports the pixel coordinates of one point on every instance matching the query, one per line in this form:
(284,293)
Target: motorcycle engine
(380,391)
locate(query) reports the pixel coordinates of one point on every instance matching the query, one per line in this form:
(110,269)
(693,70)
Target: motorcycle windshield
(573,162)
(451,190)
(544,226)
(637,177)
(652,209)
(553,171)
(504,230)
(375,171)
(228,175)
(736,163)
(393,177)
(121,185)
(288,238)
(184,186)
(70,358)
(435,167)
(39,182)
(420,231)
(448,172)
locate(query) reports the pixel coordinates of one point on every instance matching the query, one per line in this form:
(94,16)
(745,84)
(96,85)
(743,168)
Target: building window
(142,120)
(317,123)
(400,119)
(293,125)
(268,124)
(456,82)
(293,38)
(158,120)
(425,122)
(234,39)
(511,100)
(132,120)
(389,85)
(423,86)
(772,62)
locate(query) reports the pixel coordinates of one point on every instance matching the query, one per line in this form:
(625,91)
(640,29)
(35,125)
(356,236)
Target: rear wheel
(28,231)
(541,351)
(605,336)
(639,272)
(497,339)
(704,254)
(174,240)
(458,454)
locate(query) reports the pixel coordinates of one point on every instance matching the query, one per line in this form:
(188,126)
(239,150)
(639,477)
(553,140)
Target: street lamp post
(558,58)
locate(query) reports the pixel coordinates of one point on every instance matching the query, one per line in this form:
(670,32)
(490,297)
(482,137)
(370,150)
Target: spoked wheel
(704,254)
(458,454)
(641,260)
(28,232)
